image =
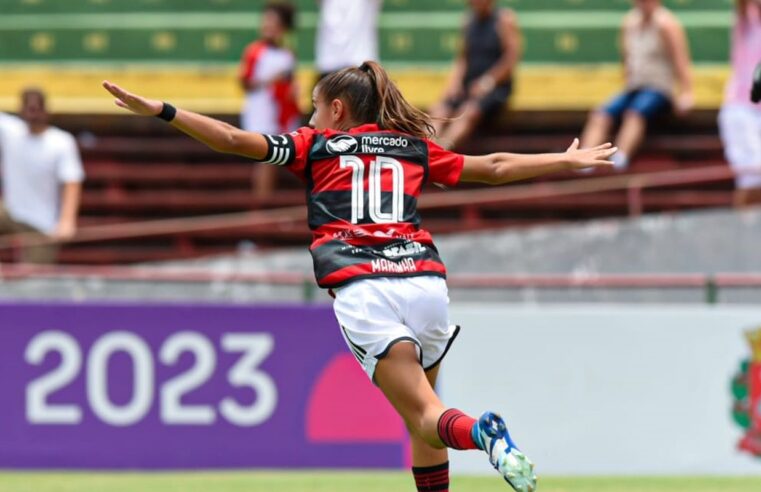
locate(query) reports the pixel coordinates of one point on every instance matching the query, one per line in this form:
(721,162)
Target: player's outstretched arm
(216,134)
(502,167)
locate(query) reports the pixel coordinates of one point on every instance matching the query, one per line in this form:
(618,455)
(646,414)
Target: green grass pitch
(322,481)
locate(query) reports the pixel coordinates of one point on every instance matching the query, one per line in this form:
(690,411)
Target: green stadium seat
(215,31)
(184,6)
(421,35)
(398,45)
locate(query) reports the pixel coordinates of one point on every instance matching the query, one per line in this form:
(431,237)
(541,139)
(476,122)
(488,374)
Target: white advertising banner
(613,390)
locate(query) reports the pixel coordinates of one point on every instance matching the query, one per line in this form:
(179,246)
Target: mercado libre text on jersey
(362,192)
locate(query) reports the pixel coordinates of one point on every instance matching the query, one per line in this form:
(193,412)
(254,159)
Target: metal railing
(469,200)
(710,284)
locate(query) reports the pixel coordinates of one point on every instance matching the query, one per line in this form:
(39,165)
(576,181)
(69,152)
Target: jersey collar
(368,127)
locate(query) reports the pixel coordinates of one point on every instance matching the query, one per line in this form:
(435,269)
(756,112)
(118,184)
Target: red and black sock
(432,478)
(456,430)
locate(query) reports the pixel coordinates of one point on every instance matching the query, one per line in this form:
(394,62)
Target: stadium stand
(200,41)
(411,31)
(186,51)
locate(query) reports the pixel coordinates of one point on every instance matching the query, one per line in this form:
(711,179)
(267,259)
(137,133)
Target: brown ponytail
(372,97)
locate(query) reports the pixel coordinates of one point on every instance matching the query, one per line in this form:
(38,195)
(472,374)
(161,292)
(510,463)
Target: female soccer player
(364,159)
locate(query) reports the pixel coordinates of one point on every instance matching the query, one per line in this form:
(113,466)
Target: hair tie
(366,68)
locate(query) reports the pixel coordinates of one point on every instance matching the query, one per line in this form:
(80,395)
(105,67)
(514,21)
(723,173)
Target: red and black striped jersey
(362,192)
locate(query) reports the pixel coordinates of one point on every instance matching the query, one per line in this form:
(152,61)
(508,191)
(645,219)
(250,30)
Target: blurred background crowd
(668,81)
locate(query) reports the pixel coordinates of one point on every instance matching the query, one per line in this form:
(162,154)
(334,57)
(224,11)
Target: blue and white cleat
(517,470)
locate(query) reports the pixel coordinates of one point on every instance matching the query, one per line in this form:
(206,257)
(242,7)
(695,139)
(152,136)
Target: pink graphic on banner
(346,407)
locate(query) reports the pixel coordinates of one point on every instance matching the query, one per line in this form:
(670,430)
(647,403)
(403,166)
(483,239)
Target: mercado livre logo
(746,389)
(341,144)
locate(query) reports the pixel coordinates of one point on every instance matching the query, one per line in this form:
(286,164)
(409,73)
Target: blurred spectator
(267,75)
(42,175)
(347,34)
(481,80)
(656,56)
(739,119)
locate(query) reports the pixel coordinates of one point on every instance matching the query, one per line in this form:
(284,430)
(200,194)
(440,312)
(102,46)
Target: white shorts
(377,313)
(740,127)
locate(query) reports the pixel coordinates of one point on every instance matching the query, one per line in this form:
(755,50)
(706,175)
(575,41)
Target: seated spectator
(739,119)
(656,56)
(42,175)
(267,75)
(481,80)
(347,34)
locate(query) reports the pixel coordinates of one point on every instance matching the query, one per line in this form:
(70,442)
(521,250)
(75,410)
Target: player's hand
(133,102)
(595,157)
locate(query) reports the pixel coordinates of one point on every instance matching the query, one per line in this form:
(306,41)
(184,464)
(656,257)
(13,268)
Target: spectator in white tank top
(739,119)
(42,175)
(347,34)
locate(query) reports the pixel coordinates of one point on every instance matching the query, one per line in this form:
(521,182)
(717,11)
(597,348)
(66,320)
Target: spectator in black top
(482,77)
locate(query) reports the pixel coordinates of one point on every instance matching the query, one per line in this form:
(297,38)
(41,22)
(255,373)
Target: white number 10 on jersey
(374,184)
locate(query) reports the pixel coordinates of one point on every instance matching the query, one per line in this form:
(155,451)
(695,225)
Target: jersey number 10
(375,195)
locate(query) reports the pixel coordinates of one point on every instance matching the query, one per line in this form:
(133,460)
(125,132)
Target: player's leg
(368,312)
(430,466)
(427,316)
(401,378)
(423,454)
(371,314)
(423,307)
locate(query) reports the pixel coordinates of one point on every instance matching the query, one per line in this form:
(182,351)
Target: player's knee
(423,424)
(413,418)
(415,425)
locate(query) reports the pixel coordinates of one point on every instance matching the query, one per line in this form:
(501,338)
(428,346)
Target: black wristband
(168,112)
